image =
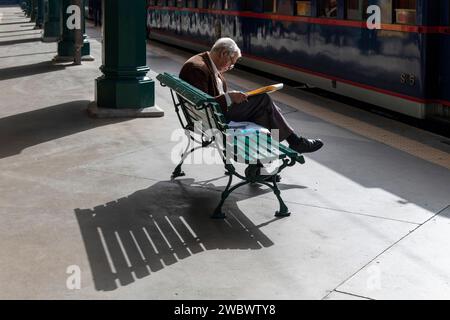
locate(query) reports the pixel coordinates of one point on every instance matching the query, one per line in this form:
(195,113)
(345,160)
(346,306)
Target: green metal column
(66,44)
(40,14)
(124,84)
(52,22)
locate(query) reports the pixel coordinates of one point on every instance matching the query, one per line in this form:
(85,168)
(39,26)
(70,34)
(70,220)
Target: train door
(444,66)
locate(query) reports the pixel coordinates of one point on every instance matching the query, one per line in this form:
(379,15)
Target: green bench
(204,123)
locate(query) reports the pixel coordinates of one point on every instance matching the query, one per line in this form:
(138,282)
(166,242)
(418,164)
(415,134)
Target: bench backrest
(194,106)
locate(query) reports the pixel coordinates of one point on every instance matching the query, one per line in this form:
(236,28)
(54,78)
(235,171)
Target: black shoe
(307,145)
(270,178)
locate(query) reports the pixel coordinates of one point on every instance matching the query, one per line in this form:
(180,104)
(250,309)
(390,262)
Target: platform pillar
(52,21)
(66,44)
(124,89)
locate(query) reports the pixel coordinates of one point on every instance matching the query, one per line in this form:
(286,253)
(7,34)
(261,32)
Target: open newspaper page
(268,89)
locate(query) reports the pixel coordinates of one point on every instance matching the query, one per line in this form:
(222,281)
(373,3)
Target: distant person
(331,9)
(205,72)
(97,11)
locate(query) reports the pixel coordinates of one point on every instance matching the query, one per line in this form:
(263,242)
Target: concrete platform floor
(80,196)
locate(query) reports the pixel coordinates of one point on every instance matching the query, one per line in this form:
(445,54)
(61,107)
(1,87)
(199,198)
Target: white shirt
(220,83)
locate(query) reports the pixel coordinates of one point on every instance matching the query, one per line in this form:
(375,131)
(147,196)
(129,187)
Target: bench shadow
(29,70)
(138,235)
(24,130)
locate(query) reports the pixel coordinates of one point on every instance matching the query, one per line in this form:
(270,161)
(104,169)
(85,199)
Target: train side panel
(444,66)
(378,60)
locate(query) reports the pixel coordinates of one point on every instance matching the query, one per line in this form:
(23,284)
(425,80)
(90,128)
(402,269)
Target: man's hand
(237,97)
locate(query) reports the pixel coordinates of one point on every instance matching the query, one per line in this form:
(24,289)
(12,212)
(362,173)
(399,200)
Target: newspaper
(268,89)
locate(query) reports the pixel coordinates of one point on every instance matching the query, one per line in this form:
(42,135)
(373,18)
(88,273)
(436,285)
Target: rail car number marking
(408,78)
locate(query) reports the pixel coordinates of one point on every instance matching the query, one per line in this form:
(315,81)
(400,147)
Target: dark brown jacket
(199,72)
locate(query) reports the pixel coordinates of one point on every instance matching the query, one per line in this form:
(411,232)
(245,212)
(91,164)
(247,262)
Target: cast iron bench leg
(218,214)
(284,211)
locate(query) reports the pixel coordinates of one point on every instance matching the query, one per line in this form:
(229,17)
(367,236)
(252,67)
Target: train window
(303,8)
(270,6)
(260,6)
(181,3)
(215,4)
(405,11)
(245,5)
(190,3)
(356,9)
(201,3)
(285,7)
(327,8)
(232,5)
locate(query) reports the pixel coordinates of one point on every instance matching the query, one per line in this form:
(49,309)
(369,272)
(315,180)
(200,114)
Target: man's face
(227,62)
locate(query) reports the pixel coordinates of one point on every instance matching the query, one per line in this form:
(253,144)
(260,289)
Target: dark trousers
(97,16)
(263,111)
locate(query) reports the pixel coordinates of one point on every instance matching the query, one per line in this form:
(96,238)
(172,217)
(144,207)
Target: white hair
(226,45)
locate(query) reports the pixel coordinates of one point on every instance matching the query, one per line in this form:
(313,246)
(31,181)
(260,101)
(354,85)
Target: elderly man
(205,71)
(97,11)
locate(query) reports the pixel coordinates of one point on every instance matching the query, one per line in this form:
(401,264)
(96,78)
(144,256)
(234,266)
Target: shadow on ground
(143,233)
(28,54)
(29,70)
(28,33)
(24,130)
(11,23)
(19,41)
(16,31)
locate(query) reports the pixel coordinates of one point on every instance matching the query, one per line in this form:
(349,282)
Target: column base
(125,93)
(150,112)
(66,48)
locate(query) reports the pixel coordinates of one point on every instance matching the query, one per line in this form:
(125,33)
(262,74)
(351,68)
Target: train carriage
(444,61)
(403,66)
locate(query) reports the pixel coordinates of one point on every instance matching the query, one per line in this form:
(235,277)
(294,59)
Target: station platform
(370,211)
